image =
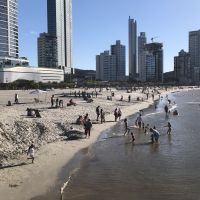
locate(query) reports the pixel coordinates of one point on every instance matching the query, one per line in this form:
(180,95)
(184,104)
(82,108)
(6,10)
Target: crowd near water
(150,155)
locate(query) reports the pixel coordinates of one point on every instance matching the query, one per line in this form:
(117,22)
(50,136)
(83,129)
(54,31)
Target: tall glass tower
(194,50)
(60,26)
(132,41)
(9,28)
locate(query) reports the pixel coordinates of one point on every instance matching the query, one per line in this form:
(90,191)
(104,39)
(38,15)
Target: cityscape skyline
(94,30)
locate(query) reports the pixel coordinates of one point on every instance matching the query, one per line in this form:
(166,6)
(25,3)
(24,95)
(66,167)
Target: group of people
(83,94)
(147,129)
(117,114)
(100,114)
(86,122)
(33,113)
(56,102)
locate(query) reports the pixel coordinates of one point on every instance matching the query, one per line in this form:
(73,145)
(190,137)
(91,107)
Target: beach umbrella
(38,92)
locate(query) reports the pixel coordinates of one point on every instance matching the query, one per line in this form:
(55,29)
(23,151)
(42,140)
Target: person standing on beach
(133,137)
(31,152)
(52,100)
(57,100)
(139,121)
(146,129)
(115,114)
(102,115)
(86,117)
(169,128)
(152,96)
(119,113)
(129,98)
(88,126)
(98,112)
(155,134)
(16,98)
(127,130)
(166,109)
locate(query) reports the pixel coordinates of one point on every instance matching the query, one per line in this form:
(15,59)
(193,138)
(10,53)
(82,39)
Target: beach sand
(30,180)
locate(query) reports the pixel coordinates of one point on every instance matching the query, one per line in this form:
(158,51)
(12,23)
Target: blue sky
(99,23)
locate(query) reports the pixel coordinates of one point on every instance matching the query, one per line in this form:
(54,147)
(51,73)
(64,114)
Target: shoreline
(49,161)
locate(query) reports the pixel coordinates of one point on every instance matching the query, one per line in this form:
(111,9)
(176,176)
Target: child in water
(127,130)
(146,129)
(133,137)
(169,128)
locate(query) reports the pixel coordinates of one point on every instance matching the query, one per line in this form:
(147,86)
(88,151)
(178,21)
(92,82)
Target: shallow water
(115,168)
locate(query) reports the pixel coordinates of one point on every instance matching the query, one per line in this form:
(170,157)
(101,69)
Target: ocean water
(116,169)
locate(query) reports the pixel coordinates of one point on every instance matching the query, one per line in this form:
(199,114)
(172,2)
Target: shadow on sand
(14,165)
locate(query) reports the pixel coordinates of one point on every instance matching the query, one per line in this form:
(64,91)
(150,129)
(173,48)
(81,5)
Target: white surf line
(192,102)
(155,113)
(67,182)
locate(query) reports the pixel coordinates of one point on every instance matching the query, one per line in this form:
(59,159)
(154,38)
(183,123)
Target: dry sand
(30,180)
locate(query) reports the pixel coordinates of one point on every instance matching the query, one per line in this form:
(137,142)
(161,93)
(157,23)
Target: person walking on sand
(88,126)
(169,128)
(127,130)
(31,152)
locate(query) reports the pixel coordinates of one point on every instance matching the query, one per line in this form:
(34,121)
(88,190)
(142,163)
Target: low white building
(36,74)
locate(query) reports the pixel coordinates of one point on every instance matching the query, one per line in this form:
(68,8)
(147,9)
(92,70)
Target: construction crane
(152,39)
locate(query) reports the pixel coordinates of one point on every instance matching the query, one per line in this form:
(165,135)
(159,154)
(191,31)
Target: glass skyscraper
(60,26)
(9,28)
(132,41)
(194,50)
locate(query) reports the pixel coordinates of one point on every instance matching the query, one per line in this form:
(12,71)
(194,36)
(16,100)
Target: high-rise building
(182,67)
(119,51)
(9,28)
(132,32)
(111,67)
(194,51)
(105,66)
(47,51)
(60,25)
(9,48)
(142,40)
(154,62)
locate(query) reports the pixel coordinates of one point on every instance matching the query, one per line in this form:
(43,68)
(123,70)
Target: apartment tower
(142,40)
(132,32)
(9,28)
(60,26)
(194,51)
